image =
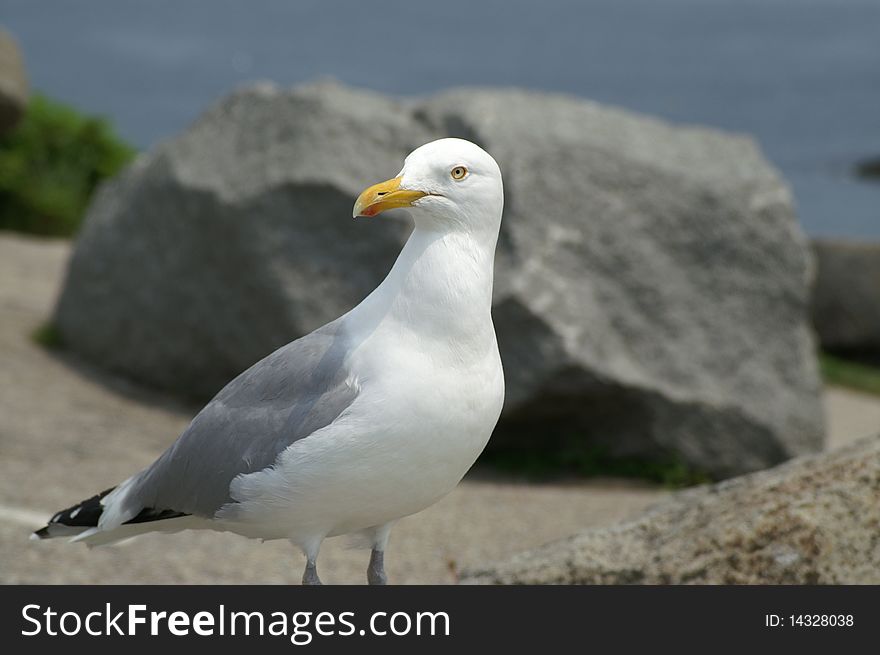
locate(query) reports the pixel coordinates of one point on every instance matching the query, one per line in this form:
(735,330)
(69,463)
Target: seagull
(368,419)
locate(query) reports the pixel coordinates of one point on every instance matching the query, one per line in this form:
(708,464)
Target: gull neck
(439,287)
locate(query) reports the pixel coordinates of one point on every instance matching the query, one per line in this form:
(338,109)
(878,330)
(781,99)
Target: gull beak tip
(384,196)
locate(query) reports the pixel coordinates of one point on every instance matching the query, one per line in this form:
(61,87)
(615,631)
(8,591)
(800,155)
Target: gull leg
(310,550)
(376,568)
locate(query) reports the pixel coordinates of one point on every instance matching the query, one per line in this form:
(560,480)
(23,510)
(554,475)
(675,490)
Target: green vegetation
(48,336)
(50,165)
(846,373)
(870,168)
(591,462)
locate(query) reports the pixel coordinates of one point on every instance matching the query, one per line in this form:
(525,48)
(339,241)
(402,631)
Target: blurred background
(802,77)
(727,312)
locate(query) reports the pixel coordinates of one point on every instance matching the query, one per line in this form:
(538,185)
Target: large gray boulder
(651,293)
(653,285)
(814,520)
(14,89)
(234,238)
(846,297)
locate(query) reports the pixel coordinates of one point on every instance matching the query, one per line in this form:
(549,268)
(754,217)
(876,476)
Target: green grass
(591,462)
(50,165)
(48,336)
(869,168)
(846,373)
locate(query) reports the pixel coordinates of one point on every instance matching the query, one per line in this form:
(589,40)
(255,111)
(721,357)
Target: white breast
(406,441)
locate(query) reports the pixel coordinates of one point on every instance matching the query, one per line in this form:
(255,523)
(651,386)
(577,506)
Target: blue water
(802,76)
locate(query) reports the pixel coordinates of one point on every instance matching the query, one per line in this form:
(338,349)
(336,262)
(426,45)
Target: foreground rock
(846,297)
(651,286)
(812,521)
(13,83)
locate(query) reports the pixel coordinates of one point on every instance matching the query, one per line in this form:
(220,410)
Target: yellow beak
(385,195)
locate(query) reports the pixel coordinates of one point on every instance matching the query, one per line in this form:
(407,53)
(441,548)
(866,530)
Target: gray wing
(296,390)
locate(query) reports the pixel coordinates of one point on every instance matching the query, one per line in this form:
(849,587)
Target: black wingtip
(42,533)
(87,514)
(84,514)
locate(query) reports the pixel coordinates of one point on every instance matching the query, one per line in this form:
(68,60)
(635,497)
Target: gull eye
(458,173)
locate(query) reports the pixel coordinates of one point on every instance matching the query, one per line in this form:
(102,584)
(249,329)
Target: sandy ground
(67,431)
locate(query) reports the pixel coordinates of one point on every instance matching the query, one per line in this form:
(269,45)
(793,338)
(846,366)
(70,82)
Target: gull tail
(81,521)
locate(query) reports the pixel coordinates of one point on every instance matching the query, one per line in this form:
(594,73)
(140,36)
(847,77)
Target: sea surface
(802,76)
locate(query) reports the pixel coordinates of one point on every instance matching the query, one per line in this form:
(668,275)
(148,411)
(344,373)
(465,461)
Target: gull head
(448,184)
